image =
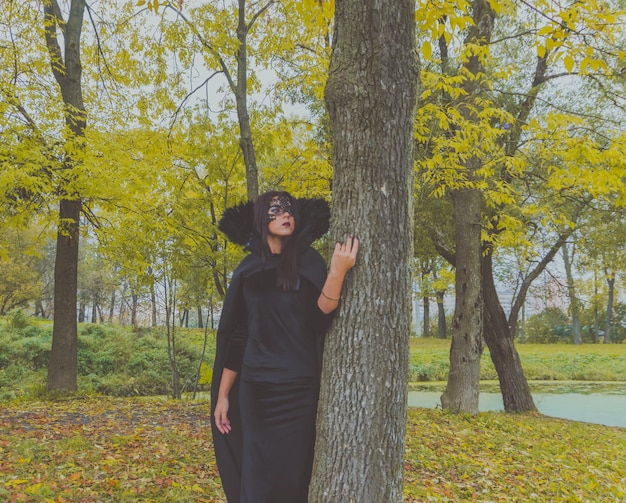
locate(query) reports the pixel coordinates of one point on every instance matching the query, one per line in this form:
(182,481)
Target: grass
(102,449)
(541,362)
(147,449)
(117,361)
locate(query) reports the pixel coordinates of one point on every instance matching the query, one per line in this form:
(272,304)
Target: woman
(269,347)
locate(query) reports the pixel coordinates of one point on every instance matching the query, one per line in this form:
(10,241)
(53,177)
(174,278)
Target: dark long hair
(287,272)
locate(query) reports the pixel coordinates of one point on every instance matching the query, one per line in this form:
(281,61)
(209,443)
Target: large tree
(461,394)
(370,95)
(528,149)
(67,69)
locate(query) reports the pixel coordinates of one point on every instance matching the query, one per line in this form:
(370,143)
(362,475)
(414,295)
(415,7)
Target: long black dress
(274,340)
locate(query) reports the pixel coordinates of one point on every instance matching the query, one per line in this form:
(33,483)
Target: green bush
(17,319)
(37,352)
(111,360)
(554,326)
(550,326)
(35,331)
(5,354)
(618,323)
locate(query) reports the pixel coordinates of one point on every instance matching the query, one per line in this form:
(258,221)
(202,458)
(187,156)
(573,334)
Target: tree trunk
(183,318)
(200,320)
(112,307)
(169,296)
(241,98)
(610,279)
(462,390)
(134,307)
(426,307)
(574,305)
(370,94)
(67,70)
(461,394)
(499,335)
(153,302)
(121,316)
(441,316)
(596,314)
(522,326)
(63,356)
(513,385)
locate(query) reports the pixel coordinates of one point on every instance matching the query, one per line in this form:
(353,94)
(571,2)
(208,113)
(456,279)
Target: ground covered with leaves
(130,449)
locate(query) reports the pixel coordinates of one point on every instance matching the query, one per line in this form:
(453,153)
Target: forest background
(188,109)
(130,126)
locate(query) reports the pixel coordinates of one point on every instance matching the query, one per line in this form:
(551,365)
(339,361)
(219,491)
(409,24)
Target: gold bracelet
(329,297)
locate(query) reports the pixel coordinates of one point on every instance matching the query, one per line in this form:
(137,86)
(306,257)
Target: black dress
(274,340)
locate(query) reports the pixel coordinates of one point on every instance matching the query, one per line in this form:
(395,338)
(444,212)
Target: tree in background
(160,162)
(21,282)
(574,301)
(67,70)
(462,390)
(437,277)
(603,250)
(370,95)
(529,154)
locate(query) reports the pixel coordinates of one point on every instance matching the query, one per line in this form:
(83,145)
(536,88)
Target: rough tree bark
(463,387)
(499,335)
(462,390)
(67,70)
(441,316)
(370,94)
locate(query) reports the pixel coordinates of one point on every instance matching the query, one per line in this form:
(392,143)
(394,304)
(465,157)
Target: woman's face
(281,220)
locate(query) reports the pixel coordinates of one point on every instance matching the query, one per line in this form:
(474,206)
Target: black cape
(237,224)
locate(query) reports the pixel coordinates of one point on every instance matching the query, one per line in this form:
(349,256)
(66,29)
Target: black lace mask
(278,206)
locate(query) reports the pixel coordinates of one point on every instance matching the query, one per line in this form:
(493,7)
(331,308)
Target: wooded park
(474,147)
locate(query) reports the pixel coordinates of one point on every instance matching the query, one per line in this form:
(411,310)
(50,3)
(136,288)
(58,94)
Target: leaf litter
(159,450)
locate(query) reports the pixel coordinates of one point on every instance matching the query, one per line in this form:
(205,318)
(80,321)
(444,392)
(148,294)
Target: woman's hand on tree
(344,256)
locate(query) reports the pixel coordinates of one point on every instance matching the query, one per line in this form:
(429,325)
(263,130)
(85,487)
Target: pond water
(600,403)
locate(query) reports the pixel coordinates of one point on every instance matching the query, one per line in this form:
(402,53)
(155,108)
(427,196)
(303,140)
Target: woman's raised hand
(344,256)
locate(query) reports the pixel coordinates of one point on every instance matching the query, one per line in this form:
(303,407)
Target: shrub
(95,356)
(37,352)
(112,360)
(35,331)
(550,326)
(17,319)
(5,354)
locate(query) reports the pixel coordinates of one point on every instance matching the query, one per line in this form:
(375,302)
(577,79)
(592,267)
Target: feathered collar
(237,223)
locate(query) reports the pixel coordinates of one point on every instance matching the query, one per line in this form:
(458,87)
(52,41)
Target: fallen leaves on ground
(107,449)
(498,457)
(123,449)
